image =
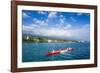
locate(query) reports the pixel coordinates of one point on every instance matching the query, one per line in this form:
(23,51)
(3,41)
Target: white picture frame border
(52,63)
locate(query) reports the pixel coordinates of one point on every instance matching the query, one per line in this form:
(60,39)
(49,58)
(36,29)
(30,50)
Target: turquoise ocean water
(36,52)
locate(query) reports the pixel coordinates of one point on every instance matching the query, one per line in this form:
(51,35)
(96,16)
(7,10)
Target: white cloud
(49,31)
(42,12)
(79,14)
(62,20)
(68,26)
(78,33)
(61,16)
(25,15)
(88,14)
(63,26)
(57,32)
(81,33)
(40,22)
(86,26)
(52,14)
(73,19)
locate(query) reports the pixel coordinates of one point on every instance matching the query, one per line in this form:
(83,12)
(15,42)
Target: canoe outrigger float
(54,52)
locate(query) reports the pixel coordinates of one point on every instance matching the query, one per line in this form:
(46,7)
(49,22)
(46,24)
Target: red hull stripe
(58,51)
(53,53)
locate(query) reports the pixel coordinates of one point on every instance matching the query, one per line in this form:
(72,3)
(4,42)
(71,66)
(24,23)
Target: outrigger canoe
(54,52)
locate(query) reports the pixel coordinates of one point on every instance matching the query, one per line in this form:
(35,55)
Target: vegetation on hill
(44,39)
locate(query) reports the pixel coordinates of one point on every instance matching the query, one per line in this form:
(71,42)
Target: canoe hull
(59,51)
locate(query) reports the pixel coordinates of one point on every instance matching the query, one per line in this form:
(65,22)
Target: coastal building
(49,41)
(27,37)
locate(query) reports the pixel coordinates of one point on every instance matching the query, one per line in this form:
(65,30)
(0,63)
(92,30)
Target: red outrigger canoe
(59,51)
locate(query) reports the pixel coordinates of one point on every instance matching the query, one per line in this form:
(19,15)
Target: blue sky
(69,25)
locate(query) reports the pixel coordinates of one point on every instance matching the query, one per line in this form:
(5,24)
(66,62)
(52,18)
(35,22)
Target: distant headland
(30,38)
